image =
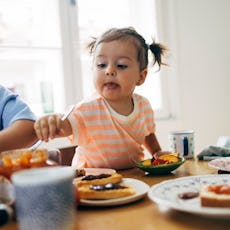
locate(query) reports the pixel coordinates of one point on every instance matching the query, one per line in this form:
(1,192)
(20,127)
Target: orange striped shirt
(107,139)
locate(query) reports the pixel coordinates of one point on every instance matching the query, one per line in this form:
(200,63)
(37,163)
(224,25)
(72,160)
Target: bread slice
(104,192)
(102,187)
(215,195)
(98,179)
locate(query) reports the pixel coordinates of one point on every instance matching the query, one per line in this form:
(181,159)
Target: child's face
(116,70)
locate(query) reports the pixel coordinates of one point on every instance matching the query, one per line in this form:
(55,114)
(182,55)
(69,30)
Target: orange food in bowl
(162,159)
(18,159)
(24,157)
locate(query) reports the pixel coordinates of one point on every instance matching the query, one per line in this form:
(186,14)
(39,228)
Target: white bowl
(6,192)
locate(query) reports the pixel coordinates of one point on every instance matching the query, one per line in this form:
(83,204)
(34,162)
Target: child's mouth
(111,85)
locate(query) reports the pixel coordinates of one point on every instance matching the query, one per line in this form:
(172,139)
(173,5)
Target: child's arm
(153,146)
(151,143)
(51,126)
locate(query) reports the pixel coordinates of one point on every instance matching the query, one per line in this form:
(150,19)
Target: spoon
(35,146)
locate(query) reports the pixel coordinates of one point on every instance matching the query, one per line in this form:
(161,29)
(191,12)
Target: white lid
(181,132)
(44,175)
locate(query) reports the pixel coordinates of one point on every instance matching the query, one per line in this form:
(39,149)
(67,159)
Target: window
(30,52)
(95,17)
(42,48)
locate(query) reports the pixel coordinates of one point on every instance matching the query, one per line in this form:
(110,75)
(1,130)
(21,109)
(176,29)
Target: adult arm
(19,134)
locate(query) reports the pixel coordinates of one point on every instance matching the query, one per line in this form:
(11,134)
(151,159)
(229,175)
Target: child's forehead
(116,46)
(121,40)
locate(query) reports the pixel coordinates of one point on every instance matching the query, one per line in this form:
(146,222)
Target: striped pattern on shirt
(108,139)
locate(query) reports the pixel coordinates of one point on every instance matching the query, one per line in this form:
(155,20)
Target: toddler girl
(111,128)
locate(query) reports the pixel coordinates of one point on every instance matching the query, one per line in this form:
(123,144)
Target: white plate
(140,187)
(222,163)
(98,171)
(166,194)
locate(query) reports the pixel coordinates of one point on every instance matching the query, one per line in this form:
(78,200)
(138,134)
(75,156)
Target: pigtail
(91,45)
(159,51)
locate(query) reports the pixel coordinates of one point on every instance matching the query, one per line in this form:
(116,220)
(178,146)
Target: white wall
(198,34)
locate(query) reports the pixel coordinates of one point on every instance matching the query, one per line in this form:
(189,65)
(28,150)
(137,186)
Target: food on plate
(217,195)
(162,159)
(99,179)
(102,187)
(98,171)
(106,191)
(80,172)
(188,195)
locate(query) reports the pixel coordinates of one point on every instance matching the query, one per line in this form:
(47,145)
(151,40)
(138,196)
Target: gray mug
(44,198)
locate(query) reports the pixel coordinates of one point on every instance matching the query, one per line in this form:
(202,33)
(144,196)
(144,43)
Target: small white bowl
(6,192)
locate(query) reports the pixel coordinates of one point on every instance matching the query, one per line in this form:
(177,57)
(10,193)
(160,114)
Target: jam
(19,159)
(108,186)
(79,172)
(93,177)
(188,195)
(219,189)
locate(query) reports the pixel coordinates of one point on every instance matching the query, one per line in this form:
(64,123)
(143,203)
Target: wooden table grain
(145,214)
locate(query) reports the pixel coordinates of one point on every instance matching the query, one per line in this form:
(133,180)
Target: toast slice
(215,195)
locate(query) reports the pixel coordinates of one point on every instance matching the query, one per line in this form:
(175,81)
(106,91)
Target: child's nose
(110,71)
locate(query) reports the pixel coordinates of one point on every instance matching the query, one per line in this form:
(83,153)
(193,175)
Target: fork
(38,143)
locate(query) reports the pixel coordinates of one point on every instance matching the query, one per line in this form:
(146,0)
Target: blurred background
(43,57)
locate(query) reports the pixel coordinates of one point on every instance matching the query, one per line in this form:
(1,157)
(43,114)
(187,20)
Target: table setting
(158,186)
(14,161)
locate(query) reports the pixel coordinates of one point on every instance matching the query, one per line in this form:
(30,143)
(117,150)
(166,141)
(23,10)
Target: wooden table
(144,214)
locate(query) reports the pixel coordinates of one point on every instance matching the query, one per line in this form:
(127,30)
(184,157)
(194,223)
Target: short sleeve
(12,108)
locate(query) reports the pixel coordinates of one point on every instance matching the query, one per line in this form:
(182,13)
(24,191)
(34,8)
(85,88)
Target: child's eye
(101,65)
(122,66)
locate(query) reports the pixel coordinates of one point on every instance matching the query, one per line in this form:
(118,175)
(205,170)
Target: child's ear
(143,75)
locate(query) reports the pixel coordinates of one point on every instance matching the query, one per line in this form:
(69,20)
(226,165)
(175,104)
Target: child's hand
(48,127)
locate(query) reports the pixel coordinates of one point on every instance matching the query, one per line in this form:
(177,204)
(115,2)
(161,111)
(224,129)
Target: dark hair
(158,50)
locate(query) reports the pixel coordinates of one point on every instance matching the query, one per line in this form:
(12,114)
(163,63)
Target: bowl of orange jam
(18,159)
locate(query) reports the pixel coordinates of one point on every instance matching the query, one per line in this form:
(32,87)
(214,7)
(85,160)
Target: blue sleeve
(12,108)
